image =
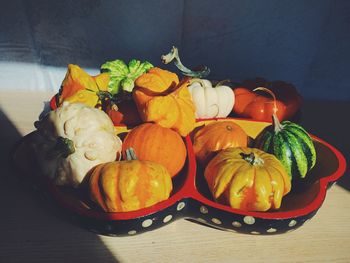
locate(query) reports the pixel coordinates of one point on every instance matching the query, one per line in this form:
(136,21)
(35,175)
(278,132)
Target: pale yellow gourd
(71,140)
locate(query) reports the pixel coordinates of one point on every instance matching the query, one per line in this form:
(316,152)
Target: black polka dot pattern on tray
(135,226)
(188,208)
(244,223)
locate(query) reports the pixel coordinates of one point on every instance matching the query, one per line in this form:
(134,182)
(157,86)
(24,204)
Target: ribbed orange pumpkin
(247,179)
(155,143)
(217,136)
(128,185)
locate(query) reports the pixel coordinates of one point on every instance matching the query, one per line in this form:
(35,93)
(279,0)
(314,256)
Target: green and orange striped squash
(291,144)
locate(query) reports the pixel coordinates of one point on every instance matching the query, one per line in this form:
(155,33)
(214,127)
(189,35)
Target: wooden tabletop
(32,231)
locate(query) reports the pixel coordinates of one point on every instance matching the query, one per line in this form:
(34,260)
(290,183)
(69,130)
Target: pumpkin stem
(252,159)
(276,123)
(200,81)
(64,146)
(221,82)
(174,55)
(278,126)
(275,109)
(229,127)
(104,95)
(130,154)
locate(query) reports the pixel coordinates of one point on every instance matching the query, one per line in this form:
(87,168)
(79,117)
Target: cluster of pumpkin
(253,174)
(77,141)
(79,147)
(143,180)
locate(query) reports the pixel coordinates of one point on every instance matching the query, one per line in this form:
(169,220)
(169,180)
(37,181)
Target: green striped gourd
(291,144)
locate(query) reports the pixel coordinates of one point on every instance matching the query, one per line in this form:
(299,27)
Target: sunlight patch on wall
(33,77)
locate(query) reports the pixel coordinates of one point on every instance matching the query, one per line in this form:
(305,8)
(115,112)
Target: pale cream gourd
(73,139)
(211,102)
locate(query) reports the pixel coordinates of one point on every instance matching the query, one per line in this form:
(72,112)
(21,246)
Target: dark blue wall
(305,42)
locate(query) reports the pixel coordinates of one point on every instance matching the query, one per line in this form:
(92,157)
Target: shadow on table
(345,180)
(30,229)
(327,120)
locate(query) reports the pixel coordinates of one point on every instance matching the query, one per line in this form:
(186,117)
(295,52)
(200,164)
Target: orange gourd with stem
(249,104)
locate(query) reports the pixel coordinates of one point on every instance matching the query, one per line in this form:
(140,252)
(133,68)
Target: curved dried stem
(221,82)
(278,126)
(174,55)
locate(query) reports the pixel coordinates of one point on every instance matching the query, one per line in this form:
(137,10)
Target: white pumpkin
(71,140)
(211,102)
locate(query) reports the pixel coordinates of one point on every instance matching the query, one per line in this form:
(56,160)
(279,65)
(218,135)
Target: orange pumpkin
(128,185)
(257,107)
(217,136)
(155,143)
(161,98)
(250,104)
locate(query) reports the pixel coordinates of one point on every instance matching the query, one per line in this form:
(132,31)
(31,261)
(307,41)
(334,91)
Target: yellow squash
(247,179)
(128,185)
(161,98)
(79,86)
